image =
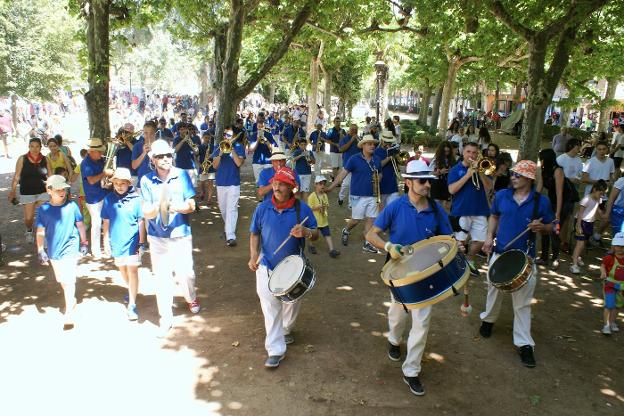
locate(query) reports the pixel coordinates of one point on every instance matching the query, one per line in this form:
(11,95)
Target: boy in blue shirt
(302,159)
(60,228)
(123,222)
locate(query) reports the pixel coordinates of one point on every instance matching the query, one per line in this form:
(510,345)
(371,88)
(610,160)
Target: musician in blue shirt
(334,135)
(206,177)
(348,147)
(317,140)
(385,152)
(261,144)
(186,148)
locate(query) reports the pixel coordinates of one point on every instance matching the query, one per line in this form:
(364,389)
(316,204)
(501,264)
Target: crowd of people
(155,176)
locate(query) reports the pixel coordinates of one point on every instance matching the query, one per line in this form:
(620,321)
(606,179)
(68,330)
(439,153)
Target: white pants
(279,318)
(193,175)
(257,168)
(95,211)
(344,186)
(228,205)
(169,256)
(521,300)
(417,338)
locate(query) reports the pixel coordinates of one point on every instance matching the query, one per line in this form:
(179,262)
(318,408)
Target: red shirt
(608,261)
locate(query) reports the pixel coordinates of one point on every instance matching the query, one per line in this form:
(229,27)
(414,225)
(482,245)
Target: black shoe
(344,237)
(231,243)
(340,201)
(486,329)
(414,385)
(394,352)
(526,356)
(312,249)
(334,253)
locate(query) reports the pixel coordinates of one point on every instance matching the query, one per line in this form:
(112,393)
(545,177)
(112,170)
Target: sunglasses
(423,181)
(516,175)
(166,155)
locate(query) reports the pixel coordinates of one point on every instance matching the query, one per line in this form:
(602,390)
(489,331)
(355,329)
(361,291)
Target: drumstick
(518,236)
(288,238)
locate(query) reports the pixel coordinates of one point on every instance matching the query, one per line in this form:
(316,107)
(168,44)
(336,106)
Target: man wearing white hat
(385,152)
(167,201)
(92,171)
(363,168)
(411,218)
(265,188)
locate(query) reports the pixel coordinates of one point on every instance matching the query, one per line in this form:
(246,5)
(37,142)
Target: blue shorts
(324,231)
(613,299)
(586,231)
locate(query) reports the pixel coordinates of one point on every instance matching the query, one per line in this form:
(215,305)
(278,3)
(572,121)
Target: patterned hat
(525,168)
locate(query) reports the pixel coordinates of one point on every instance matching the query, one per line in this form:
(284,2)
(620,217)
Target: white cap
(56,182)
(122,174)
(418,169)
(618,240)
(160,147)
(320,178)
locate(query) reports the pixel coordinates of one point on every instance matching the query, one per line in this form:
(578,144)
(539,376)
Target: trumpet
(189,140)
(225,146)
(484,165)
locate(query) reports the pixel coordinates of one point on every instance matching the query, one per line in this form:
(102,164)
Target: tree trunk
(97,15)
(496,98)
(451,74)
(14,114)
(327,97)
(272,89)
(312,96)
(204,83)
(606,103)
(517,97)
(435,111)
(424,106)
(383,98)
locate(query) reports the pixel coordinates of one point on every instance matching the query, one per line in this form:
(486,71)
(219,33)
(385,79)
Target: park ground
(212,363)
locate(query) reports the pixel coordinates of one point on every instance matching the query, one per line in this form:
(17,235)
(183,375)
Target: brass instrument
(484,165)
(225,146)
(319,142)
(111,151)
(309,157)
(376,186)
(189,140)
(206,165)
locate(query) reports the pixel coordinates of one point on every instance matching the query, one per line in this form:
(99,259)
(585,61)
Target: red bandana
(34,159)
(284,205)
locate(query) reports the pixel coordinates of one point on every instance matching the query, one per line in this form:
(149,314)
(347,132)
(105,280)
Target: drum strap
(298,214)
(531,239)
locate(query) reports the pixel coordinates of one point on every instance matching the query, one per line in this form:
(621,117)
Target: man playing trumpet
(186,149)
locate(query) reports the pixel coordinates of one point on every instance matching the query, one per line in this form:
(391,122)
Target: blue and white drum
(292,278)
(433,271)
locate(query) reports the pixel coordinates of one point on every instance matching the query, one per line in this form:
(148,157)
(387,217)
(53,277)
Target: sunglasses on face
(423,181)
(166,155)
(515,175)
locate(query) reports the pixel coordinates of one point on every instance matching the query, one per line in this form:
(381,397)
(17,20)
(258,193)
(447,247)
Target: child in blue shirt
(60,228)
(123,222)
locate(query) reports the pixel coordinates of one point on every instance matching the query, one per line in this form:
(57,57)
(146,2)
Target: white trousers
(521,300)
(279,318)
(95,211)
(345,187)
(417,338)
(257,168)
(172,261)
(228,205)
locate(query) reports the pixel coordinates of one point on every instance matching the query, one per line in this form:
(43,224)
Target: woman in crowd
(443,160)
(484,140)
(56,157)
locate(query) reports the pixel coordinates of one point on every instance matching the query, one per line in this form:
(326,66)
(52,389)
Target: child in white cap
(319,202)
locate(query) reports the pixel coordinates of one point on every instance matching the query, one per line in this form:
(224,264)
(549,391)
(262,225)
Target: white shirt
(591,206)
(458,139)
(618,138)
(598,170)
(572,166)
(619,184)
(397,129)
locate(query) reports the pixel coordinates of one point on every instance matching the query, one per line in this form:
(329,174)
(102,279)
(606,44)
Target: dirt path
(213,362)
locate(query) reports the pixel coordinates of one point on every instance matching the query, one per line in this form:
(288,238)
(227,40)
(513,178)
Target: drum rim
(305,266)
(305,292)
(423,274)
(504,286)
(442,295)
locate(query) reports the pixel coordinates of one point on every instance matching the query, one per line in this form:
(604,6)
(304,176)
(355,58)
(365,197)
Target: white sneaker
(580,262)
(606,330)
(29,237)
(575,269)
(614,327)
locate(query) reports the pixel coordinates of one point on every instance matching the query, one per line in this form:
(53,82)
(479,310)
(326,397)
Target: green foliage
(550,131)
(37,48)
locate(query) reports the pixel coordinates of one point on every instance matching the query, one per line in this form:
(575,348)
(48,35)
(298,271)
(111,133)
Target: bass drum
(510,271)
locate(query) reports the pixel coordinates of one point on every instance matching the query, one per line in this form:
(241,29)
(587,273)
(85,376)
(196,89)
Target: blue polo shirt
(514,219)
(61,234)
(302,167)
(388,184)
(265,178)
(228,174)
(468,201)
(277,127)
(144,167)
(89,167)
(123,213)
(288,132)
(333,136)
(262,152)
(124,159)
(351,150)
(362,174)
(184,158)
(408,226)
(314,137)
(179,189)
(274,226)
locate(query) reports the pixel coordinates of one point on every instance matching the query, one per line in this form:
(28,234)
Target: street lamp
(380,71)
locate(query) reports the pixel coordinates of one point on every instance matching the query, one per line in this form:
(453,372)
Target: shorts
(613,299)
(65,269)
(305,183)
(324,231)
(363,207)
(133,260)
(476,226)
(31,199)
(586,231)
(335,160)
(193,175)
(207,177)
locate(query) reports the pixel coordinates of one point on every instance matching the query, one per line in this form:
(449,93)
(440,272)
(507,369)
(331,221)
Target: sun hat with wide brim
(278,155)
(387,137)
(525,168)
(97,145)
(418,169)
(368,138)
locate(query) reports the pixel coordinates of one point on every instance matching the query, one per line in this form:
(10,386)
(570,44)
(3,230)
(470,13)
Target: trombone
(484,165)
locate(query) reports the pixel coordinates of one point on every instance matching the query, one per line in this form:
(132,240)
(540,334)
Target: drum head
(286,274)
(423,257)
(507,266)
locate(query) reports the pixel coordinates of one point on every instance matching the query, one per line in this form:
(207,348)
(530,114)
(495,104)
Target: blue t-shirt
(89,167)
(362,174)
(265,177)
(352,150)
(277,127)
(262,152)
(408,226)
(184,158)
(314,137)
(468,201)
(144,167)
(333,136)
(124,159)
(228,174)
(514,219)
(388,184)
(274,226)
(179,189)
(302,167)
(123,213)
(61,234)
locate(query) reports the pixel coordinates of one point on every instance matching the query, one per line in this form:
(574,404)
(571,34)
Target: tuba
(111,150)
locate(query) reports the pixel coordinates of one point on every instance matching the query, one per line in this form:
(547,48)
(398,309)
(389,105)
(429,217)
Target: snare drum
(292,278)
(434,271)
(510,270)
